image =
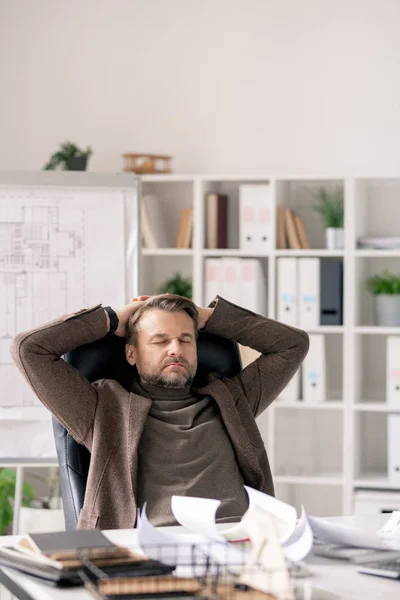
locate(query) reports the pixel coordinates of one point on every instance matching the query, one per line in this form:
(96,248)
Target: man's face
(165,353)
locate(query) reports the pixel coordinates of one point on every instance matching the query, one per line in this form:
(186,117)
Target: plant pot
(334,238)
(37,520)
(77,163)
(387,310)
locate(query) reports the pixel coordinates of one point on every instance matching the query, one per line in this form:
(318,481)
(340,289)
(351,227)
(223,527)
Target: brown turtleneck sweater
(185,450)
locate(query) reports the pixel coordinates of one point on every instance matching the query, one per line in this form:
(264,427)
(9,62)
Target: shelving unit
(341,442)
(20,468)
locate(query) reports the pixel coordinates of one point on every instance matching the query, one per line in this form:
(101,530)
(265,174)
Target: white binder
(213,279)
(313,370)
(255,218)
(393,447)
(253,286)
(287,290)
(230,274)
(309,292)
(393,370)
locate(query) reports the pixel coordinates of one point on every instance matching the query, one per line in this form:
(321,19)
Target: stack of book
(84,557)
(290,230)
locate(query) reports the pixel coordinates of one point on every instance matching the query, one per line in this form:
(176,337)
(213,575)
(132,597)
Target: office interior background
(289,97)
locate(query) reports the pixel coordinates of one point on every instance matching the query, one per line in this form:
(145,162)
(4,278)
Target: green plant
(7,492)
(330,207)
(52,484)
(177,285)
(64,155)
(387,283)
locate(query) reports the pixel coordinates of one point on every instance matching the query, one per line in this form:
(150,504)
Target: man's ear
(130,354)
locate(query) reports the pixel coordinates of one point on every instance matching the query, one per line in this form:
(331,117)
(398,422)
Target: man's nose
(175,348)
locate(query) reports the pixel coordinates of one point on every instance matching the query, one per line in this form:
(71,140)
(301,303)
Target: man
(163,436)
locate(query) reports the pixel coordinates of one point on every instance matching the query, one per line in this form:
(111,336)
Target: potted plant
(44,513)
(69,157)
(386,290)
(7,493)
(331,208)
(177,285)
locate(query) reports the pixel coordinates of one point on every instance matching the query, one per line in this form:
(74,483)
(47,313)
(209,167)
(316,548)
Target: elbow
(17,346)
(303,344)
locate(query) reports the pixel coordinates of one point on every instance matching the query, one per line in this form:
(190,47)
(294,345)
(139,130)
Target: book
(152,223)
(216,230)
(184,237)
(291,231)
(301,232)
(281,237)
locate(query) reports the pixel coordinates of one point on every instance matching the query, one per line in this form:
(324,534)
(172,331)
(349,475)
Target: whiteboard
(67,241)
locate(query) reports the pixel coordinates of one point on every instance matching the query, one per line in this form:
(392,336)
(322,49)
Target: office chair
(105,359)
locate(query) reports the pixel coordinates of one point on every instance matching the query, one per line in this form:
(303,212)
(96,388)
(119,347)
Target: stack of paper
(379,242)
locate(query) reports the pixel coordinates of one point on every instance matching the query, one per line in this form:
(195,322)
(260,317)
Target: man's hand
(204,315)
(125,312)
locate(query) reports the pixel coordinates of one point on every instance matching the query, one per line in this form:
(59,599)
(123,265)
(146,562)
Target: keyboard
(382,568)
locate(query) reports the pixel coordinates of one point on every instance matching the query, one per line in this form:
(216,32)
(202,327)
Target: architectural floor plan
(54,259)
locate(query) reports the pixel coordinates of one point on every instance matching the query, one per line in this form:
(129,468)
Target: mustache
(179,361)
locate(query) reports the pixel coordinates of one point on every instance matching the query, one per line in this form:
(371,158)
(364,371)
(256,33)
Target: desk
(330,580)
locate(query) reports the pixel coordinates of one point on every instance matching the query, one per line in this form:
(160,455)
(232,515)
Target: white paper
(343,535)
(178,550)
(197,514)
(60,252)
(285,515)
(299,544)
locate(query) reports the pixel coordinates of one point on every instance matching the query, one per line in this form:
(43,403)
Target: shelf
(381,407)
(309,480)
(167,252)
(325,329)
(167,178)
(377,253)
(319,252)
(26,462)
(375,482)
(232,252)
(371,329)
(328,405)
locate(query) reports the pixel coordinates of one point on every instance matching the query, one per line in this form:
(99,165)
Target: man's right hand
(125,312)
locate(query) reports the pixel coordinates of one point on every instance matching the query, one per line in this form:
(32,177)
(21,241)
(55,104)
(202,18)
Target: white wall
(223,85)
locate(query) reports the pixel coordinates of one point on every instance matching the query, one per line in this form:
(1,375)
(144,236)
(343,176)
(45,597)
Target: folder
(253,286)
(213,279)
(393,370)
(313,370)
(331,291)
(255,212)
(231,279)
(264,219)
(309,292)
(393,447)
(287,309)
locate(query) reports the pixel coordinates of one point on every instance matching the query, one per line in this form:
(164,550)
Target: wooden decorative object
(145,164)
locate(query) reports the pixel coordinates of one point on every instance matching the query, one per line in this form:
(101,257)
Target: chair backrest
(105,359)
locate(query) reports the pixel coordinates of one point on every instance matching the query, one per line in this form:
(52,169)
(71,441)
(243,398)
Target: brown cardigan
(109,420)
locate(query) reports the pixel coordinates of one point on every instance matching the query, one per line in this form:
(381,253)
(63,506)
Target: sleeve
(283,349)
(60,387)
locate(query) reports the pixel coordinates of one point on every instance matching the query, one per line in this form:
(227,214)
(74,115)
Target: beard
(174,380)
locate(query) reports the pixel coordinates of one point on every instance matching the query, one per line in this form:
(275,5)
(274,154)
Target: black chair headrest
(105,359)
